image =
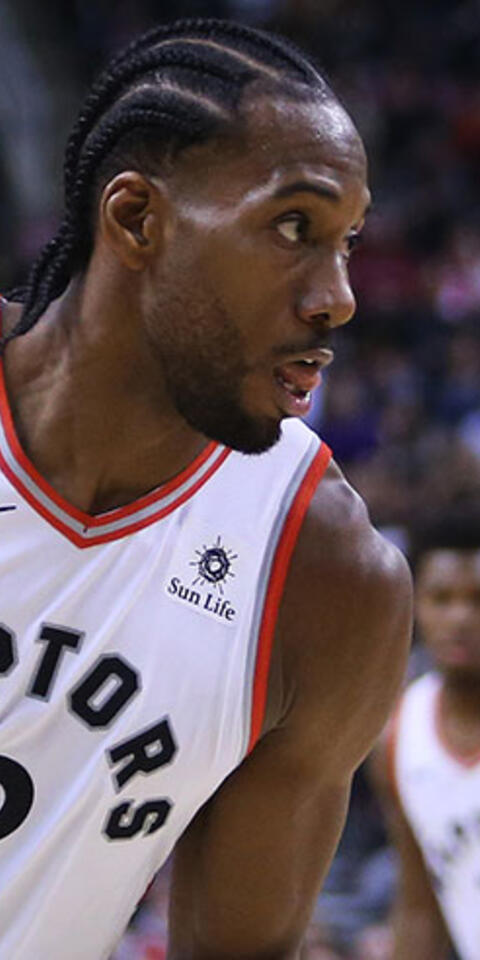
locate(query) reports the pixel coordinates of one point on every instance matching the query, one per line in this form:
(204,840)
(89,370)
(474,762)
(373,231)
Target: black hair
(454,528)
(177,85)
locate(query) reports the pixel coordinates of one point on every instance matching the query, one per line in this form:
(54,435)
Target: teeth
(295,392)
(303,394)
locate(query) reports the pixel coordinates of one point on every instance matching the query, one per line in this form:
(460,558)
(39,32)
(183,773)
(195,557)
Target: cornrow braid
(177,56)
(276,50)
(177,85)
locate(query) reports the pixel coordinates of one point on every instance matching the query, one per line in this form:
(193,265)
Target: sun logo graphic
(213,565)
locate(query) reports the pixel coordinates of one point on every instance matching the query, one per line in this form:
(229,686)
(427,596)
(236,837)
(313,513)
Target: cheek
(474,625)
(245,272)
(234,280)
(431,618)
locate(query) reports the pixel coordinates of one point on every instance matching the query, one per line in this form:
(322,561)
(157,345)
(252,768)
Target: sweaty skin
(203,283)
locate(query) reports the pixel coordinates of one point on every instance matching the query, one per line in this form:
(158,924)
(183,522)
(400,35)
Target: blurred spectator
(401,408)
(349,419)
(26,181)
(457,281)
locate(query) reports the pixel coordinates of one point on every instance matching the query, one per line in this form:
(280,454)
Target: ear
(133,215)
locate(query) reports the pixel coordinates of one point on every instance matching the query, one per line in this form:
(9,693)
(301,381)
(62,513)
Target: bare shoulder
(344,625)
(338,541)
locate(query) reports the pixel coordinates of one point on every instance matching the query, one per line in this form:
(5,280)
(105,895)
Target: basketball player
(201,634)
(434,752)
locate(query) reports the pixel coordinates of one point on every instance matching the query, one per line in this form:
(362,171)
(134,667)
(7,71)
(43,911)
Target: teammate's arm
(418,927)
(248,868)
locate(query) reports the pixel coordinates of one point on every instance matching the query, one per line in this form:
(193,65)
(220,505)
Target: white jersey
(440,795)
(134,653)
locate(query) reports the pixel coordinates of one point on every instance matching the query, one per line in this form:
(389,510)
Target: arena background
(401,407)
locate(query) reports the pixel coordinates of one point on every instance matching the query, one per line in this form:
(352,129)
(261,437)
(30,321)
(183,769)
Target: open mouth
(300,376)
(296,380)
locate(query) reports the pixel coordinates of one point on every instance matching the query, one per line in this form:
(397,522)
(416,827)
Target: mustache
(295,346)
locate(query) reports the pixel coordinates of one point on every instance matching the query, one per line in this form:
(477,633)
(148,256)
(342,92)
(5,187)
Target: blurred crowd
(401,407)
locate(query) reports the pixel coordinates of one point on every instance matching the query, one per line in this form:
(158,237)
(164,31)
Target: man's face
(448,608)
(254,273)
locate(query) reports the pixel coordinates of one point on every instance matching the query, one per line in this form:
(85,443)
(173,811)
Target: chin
(233,427)
(254,438)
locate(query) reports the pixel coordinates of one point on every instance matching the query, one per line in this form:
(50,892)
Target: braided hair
(177,85)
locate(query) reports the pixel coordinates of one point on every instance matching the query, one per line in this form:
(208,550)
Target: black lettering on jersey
(8,653)
(18,792)
(94,701)
(147,751)
(124,822)
(57,640)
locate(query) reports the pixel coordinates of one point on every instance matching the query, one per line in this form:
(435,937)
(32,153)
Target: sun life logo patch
(213,565)
(206,591)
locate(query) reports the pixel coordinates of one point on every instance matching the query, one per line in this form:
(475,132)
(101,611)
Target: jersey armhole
(276,582)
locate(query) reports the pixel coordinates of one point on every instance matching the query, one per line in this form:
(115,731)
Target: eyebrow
(306,186)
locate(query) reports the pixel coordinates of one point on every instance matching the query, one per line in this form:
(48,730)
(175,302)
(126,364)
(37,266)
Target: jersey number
(17,788)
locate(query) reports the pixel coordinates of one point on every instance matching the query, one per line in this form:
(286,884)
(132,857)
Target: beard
(214,409)
(203,368)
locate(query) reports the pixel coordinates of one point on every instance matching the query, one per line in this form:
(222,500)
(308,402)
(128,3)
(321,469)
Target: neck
(461,695)
(88,405)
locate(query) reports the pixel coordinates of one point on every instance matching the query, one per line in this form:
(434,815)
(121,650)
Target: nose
(459,614)
(327,297)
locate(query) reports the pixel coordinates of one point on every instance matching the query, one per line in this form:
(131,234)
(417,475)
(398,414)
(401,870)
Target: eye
(440,597)
(293,227)
(351,242)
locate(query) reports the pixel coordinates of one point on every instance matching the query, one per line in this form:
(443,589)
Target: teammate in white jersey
(168,677)
(429,767)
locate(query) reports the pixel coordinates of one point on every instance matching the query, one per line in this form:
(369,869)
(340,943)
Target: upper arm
(344,628)
(418,925)
(248,868)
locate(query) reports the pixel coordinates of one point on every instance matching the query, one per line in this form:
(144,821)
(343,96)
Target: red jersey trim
(68,508)
(83,542)
(280,565)
(130,511)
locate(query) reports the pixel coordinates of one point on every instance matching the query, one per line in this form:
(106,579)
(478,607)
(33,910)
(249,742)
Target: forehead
(451,569)
(285,131)
(282,139)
